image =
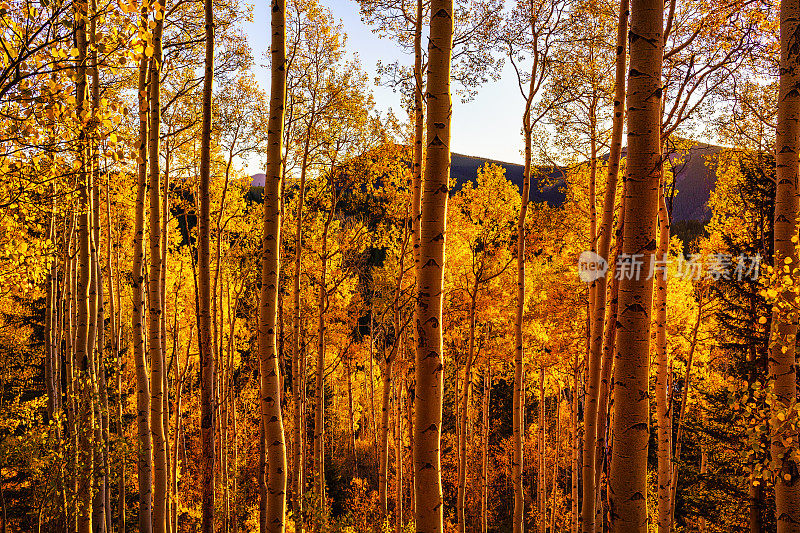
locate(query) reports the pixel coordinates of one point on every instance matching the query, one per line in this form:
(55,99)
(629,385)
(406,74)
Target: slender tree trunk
(487,391)
(673,488)
(783,336)
(271,414)
(557,447)
(628,481)
(204,333)
(299,379)
(83,348)
(419,133)
(319,407)
(157,365)
(145,459)
(663,411)
(462,438)
(592,424)
(541,470)
(575,448)
(398,456)
(429,355)
(114,307)
(383,470)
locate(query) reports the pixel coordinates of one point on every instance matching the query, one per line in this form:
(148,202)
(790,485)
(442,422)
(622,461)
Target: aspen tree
(204,333)
(610,318)
(663,406)
(628,480)
(270,396)
(83,349)
(782,371)
(428,312)
(145,459)
(592,438)
(155,347)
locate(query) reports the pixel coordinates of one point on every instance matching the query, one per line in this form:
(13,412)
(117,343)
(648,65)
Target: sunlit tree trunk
(782,371)
(204,332)
(487,391)
(429,355)
(557,447)
(398,456)
(298,378)
(83,356)
(319,407)
(157,366)
(270,269)
(114,308)
(628,480)
(575,447)
(663,411)
(682,413)
(383,439)
(465,389)
(592,437)
(419,133)
(145,459)
(541,470)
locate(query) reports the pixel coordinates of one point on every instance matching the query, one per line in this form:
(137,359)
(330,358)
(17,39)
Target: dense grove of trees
(361,342)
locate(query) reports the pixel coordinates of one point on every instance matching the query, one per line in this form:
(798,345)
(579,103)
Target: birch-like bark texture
(783,335)
(628,480)
(204,331)
(145,460)
(270,269)
(429,384)
(519,388)
(82,348)
(154,301)
(591,420)
(298,379)
(663,411)
(487,392)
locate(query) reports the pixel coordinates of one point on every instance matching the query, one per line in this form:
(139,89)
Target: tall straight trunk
(383,444)
(319,404)
(462,437)
(487,391)
(270,275)
(204,332)
(83,349)
(157,366)
(663,411)
(783,336)
(102,500)
(682,413)
(398,457)
(628,480)
(298,379)
(557,447)
(592,425)
(419,133)
(180,377)
(575,448)
(601,463)
(410,423)
(755,494)
(541,470)
(164,221)
(145,460)
(114,307)
(429,354)
(518,435)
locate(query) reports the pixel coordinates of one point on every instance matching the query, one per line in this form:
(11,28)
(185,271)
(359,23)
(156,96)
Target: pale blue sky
(487,126)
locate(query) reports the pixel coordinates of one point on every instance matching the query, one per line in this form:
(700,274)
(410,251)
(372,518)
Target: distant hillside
(694,180)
